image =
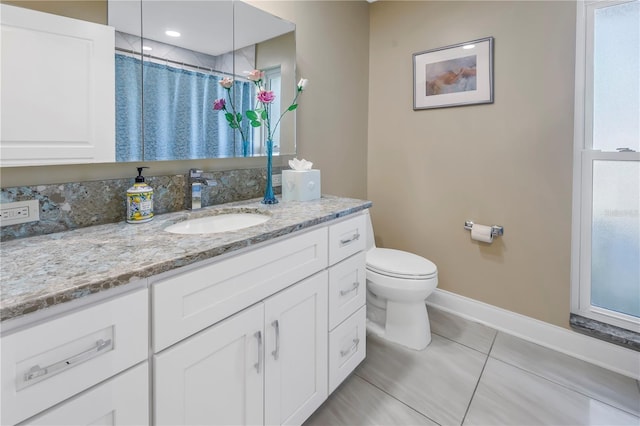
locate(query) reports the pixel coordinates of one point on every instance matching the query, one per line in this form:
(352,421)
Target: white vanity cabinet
(58,85)
(257,336)
(264,336)
(59,358)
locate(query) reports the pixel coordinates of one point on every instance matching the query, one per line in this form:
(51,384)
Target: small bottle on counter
(140,200)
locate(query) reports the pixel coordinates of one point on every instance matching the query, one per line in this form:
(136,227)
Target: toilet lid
(400,264)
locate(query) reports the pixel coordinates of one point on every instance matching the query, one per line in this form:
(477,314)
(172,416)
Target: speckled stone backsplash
(79,204)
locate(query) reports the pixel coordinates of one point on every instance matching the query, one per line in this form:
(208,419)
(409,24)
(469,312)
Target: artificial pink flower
(266,96)
(226,82)
(219,104)
(255,75)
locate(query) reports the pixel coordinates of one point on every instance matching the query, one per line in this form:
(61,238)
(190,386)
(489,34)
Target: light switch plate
(19,212)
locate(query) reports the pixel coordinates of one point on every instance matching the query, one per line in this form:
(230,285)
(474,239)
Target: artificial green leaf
(251,115)
(239,117)
(229,117)
(292,107)
(264,115)
(255,123)
(233,125)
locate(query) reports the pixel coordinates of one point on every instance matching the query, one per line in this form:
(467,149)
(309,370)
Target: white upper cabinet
(58,85)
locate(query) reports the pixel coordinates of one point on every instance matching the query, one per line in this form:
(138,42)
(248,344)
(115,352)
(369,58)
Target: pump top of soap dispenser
(140,178)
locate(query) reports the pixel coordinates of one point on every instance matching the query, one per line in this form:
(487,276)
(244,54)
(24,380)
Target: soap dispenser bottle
(140,200)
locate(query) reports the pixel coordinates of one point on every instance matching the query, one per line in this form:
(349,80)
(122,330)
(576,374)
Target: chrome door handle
(354,286)
(353,238)
(276,351)
(258,365)
(346,352)
(37,373)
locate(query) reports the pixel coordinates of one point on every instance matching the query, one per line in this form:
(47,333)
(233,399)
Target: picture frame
(456,75)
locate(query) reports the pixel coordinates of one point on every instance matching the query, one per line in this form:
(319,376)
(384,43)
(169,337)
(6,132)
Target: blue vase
(269,197)
(245,148)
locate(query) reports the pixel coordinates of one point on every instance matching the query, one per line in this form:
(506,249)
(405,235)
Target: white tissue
(303,164)
(481,233)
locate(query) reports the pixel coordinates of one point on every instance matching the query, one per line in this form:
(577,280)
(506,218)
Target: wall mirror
(170,57)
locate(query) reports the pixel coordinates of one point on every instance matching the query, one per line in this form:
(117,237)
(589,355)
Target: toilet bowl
(398,282)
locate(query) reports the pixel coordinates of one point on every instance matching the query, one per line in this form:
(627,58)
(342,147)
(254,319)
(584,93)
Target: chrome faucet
(194,187)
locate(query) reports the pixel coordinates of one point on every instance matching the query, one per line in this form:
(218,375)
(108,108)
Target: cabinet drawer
(347,288)
(122,400)
(52,361)
(347,238)
(194,300)
(347,347)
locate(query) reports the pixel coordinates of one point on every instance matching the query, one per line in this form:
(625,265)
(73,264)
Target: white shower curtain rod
(167,61)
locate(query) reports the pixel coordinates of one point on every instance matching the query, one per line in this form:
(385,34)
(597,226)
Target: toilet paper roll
(481,233)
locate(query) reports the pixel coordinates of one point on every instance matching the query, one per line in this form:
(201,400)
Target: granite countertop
(47,270)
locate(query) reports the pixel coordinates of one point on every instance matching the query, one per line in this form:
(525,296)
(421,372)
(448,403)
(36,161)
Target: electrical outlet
(19,212)
(276,180)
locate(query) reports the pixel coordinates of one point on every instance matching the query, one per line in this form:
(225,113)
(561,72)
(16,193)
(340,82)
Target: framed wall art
(461,74)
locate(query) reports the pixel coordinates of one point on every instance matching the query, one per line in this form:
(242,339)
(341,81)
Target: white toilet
(398,283)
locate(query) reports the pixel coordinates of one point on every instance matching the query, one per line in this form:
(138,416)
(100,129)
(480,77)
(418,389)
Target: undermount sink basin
(218,223)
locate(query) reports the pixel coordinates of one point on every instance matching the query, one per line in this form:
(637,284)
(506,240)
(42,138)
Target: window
(606,220)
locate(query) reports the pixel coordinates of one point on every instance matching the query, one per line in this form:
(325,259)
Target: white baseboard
(607,355)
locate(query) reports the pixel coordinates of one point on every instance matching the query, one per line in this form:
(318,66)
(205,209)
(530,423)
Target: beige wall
(507,163)
(332,52)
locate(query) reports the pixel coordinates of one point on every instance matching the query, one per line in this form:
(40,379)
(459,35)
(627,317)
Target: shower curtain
(174,120)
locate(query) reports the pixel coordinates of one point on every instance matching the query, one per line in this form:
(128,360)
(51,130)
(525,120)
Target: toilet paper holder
(496,230)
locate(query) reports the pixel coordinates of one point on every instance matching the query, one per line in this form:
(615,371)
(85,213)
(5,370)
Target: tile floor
(473,375)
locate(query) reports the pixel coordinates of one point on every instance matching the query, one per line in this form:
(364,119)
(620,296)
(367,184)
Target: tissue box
(300,185)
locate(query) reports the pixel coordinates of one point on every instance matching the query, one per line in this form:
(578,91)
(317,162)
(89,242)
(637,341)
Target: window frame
(584,157)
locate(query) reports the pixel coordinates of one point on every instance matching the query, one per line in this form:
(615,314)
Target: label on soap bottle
(140,204)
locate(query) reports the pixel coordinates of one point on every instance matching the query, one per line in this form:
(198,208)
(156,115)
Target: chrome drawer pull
(346,352)
(276,351)
(353,238)
(258,365)
(353,287)
(37,372)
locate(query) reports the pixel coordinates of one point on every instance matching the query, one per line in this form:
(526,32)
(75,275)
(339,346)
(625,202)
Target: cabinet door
(58,90)
(214,377)
(296,351)
(120,401)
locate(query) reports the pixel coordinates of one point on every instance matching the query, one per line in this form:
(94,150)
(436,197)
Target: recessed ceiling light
(146,48)
(172,33)
(468,46)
